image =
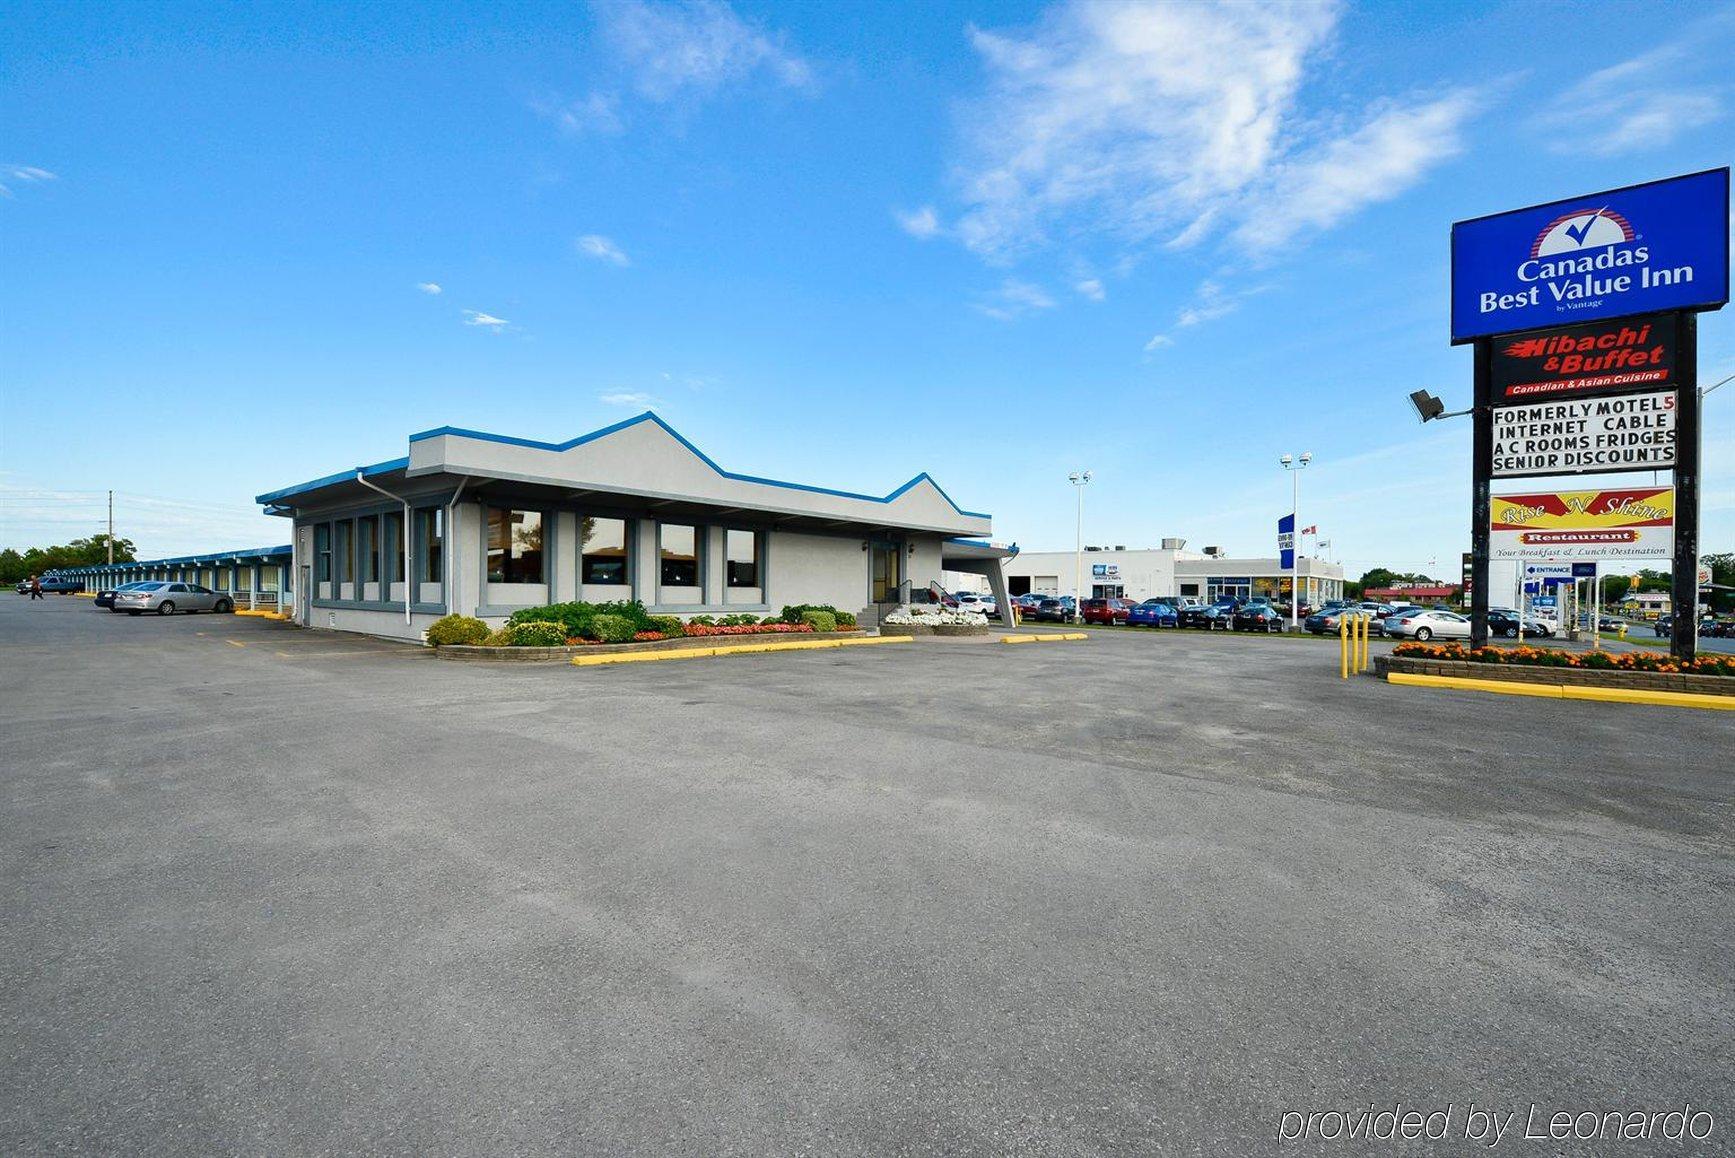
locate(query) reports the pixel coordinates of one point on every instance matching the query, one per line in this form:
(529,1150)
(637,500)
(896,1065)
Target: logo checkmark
(1577,232)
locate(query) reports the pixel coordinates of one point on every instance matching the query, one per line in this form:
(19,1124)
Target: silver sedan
(167,598)
(1426,625)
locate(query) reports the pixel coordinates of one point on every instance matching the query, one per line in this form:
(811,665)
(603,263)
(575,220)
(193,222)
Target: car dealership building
(1170,570)
(485,524)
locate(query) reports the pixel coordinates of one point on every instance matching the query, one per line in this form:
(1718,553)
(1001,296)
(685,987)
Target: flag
(1313,530)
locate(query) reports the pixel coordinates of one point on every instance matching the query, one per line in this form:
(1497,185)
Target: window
(322,553)
(741,553)
(514,546)
(604,555)
(346,552)
(367,541)
(394,539)
(678,548)
(430,538)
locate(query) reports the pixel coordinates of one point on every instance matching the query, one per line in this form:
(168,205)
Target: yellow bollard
(1367,627)
(1343,647)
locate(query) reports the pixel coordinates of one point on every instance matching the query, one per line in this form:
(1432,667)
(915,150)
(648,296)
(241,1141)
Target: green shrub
(630,610)
(456,630)
(738,620)
(704,620)
(501,638)
(844,618)
(820,620)
(538,634)
(772,619)
(612,629)
(793,612)
(573,617)
(669,625)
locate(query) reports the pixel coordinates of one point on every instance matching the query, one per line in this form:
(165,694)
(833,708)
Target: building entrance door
(888,572)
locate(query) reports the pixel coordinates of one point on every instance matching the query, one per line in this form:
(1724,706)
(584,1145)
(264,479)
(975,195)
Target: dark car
(1257,617)
(1107,611)
(1049,611)
(1665,625)
(1217,616)
(1154,613)
(1506,623)
(105,597)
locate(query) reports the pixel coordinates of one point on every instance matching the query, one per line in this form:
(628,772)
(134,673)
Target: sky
(244,246)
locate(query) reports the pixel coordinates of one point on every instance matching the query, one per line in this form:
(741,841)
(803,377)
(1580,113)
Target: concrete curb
(1049,637)
(1566,692)
(737,649)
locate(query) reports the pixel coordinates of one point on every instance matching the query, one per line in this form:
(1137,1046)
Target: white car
(1425,625)
(969,601)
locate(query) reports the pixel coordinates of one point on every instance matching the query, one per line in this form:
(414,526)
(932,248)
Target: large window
(367,542)
(678,549)
(322,553)
(742,551)
(430,542)
(394,532)
(346,552)
(514,546)
(604,554)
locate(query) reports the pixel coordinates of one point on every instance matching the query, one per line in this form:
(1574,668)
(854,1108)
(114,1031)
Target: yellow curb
(1046,637)
(734,649)
(85,594)
(261,614)
(1017,639)
(1565,692)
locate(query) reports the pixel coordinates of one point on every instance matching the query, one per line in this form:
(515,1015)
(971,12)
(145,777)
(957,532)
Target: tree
(78,553)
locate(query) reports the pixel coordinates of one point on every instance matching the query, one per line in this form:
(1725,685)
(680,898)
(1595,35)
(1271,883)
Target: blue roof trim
(271,497)
(209,557)
(1011,549)
(651,416)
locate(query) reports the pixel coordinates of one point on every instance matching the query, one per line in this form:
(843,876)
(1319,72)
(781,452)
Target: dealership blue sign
(1642,249)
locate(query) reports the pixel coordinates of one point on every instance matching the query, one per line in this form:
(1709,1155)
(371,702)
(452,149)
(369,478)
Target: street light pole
(1079,480)
(1295,466)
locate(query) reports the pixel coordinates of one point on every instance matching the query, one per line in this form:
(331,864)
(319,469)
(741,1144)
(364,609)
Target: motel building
(485,524)
(1167,571)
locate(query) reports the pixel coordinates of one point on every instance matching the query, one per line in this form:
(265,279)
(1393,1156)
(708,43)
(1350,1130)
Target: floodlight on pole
(1295,466)
(1428,407)
(1079,480)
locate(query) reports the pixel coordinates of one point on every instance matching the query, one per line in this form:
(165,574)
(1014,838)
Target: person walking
(35,587)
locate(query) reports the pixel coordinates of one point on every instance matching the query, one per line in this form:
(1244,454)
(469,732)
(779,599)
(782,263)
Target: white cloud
(478,318)
(431,288)
(1645,102)
(923,223)
(598,112)
(26,174)
(694,47)
(1210,302)
(1091,288)
(1142,121)
(1014,299)
(626,398)
(597,246)
(1158,341)
(1390,152)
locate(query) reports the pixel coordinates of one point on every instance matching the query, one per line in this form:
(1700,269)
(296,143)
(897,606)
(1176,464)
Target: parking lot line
(234,643)
(1565,692)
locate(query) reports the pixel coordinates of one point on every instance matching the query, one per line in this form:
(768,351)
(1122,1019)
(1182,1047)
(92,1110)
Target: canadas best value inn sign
(1645,248)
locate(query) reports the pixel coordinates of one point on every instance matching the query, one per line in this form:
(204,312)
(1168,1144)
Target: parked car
(59,586)
(1050,611)
(1331,622)
(1258,617)
(105,597)
(1506,623)
(1107,611)
(970,601)
(1219,616)
(168,598)
(1665,625)
(1425,625)
(1154,613)
(1024,606)
(1379,621)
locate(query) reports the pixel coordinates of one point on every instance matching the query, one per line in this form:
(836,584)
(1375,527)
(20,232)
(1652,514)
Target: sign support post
(1482,504)
(1684,583)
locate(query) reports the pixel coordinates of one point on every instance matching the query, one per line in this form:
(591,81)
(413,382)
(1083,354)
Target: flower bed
(921,620)
(1644,671)
(577,646)
(1636,661)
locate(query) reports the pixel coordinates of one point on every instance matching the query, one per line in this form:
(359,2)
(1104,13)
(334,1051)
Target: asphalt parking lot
(271,890)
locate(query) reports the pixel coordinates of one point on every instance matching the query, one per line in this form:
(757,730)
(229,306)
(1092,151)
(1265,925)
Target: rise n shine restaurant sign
(1659,246)
(1614,523)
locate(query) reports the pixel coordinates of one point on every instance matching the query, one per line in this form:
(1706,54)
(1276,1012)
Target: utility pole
(111,528)
(1079,480)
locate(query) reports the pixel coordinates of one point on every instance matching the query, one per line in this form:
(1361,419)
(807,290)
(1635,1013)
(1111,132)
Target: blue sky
(831,243)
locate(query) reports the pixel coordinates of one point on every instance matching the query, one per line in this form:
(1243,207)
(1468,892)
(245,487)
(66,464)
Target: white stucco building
(1170,570)
(483,524)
